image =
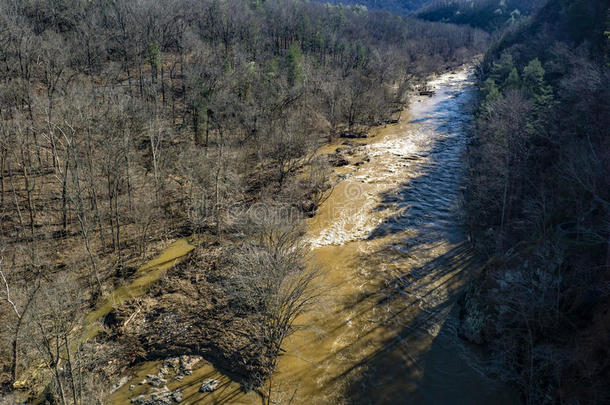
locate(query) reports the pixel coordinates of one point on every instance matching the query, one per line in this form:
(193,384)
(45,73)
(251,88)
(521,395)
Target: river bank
(393,261)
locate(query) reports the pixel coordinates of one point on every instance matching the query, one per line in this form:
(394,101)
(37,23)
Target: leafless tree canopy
(125,124)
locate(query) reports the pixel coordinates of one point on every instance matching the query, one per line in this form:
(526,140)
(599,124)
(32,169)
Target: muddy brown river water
(393,259)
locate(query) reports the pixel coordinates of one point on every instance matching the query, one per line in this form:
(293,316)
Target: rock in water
(157,380)
(209,386)
(186,364)
(159,396)
(119,383)
(177,395)
(337,159)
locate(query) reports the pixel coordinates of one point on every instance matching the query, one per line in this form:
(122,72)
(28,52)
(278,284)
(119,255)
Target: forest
(538,205)
(159,161)
(489,15)
(404,7)
(126,125)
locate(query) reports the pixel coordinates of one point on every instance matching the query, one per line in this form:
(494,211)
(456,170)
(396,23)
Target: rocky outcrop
(181,365)
(337,159)
(119,383)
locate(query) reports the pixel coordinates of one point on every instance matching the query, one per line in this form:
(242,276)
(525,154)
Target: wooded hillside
(539,206)
(490,15)
(125,125)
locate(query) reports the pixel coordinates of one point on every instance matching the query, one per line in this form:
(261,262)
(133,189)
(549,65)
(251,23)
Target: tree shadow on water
(429,201)
(422,360)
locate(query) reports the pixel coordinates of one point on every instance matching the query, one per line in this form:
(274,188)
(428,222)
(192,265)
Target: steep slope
(489,15)
(394,6)
(539,202)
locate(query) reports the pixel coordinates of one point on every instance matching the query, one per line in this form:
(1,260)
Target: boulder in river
(177,396)
(187,363)
(119,383)
(156,380)
(209,385)
(337,159)
(159,396)
(352,134)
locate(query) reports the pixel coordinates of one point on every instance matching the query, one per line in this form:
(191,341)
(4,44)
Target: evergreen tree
(533,80)
(294,62)
(513,81)
(491,94)
(501,69)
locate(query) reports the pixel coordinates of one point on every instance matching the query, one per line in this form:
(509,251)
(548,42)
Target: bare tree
(53,322)
(507,127)
(271,275)
(20,304)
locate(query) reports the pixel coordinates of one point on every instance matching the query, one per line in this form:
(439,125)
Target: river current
(393,258)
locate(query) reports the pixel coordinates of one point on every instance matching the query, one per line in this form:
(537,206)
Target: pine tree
(491,94)
(294,62)
(535,86)
(513,81)
(501,69)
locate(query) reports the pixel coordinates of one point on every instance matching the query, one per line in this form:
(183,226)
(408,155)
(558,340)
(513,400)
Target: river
(393,260)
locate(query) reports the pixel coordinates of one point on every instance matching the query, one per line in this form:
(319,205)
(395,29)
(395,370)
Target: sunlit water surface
(393,259)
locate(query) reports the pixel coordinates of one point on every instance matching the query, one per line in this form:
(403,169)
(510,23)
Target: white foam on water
(394,160)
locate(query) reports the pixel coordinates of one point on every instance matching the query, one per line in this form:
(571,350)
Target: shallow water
(92,325)
(145,276)
(393,260)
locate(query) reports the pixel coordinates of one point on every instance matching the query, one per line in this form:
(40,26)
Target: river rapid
(393,259)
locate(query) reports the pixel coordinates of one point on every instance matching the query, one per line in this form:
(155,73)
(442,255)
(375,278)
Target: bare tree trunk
(14,188)
(2,166)
(110,210)
(37,146)
(500,240)
(162,87)
(20,314)
(29,188)
(128,77)
(183,83)
(53,360)
(216,185)
(70,368)
(64,196)
(14,345)
(53,151)
(140,79)
(155,141)
(118,222)
(80,215)
(80,372)
(92,188)
(128,174)
(171,92)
